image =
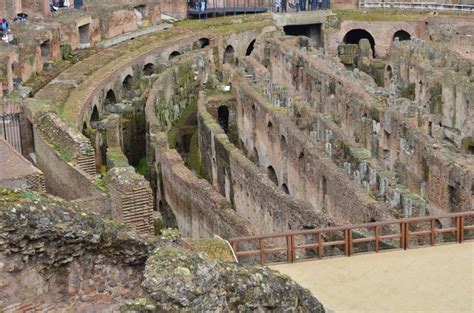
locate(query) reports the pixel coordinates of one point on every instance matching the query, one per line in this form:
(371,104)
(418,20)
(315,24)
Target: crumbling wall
(253,195)
(69,257)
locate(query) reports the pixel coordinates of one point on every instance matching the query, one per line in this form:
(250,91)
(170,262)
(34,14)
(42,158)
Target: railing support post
(289,253)
(262,252)
(407,234)
(432,238)
(377,239)
(461,229)
(320,246)
(349,232)
(346,242)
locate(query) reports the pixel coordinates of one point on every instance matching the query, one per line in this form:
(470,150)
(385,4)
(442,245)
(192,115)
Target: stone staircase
(137,210)
(87,164)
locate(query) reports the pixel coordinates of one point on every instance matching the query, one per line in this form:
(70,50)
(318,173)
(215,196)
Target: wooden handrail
(348,241)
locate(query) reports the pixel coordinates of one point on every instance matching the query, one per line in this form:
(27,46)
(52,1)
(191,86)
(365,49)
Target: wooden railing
(403,234)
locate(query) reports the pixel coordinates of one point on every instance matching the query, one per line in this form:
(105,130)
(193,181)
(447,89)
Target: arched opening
(149,69)
(355,35)
(284,187)
(94,115)
(84,128)
(389,73)
(223,117)
(269,125)
(401,35)
(272,175)
(254,156)
(127,86)
(173,55)
(229,54)
(203,42)
(283,143)
(250,48)
(470,150)
(110,98)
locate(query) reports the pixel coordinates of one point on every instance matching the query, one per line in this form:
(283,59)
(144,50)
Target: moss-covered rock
(178,280)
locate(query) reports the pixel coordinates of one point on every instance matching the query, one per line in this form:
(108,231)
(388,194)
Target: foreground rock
(52,252)
(180,280)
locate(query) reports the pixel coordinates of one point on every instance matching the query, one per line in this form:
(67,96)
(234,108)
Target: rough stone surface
(179,280)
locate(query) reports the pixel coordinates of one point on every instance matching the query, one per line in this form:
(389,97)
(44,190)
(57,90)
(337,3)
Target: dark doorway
(401,35)
(149,69)
(203,42)
(312,31)
(272,175)
(173,55)
(45,50)
(355,35)
(110,98)
(94,115)
(229,55)
(284,187)
(84,35)
(127,88)
(223,117)
(250,48)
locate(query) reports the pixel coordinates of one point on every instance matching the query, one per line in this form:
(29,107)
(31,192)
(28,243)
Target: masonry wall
(390,134)
(253,195)
(307,172)
(67,181)
(200,211)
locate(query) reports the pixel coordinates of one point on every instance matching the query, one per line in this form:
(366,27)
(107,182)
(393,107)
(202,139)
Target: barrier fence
(404,231)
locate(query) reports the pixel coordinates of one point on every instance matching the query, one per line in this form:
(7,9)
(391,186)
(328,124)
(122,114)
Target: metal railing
(433,227)
(411,5)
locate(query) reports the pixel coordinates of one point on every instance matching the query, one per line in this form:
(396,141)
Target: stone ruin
(233,126)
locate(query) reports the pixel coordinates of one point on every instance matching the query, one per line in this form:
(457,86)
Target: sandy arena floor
(434,279)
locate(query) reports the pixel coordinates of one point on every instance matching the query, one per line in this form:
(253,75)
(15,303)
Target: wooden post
(377,239)
(289,253)
(461,229)
(350,241)
(262,252)
(293,249)
(432,238)
(346,242)
(320,246)
(402,235)
(407,234)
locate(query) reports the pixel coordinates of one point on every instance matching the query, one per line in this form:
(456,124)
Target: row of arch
(355,35)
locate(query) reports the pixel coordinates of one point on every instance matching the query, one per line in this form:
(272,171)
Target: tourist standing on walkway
(5,26)
(283,6)
(277,5)
(314,5)
(303,5)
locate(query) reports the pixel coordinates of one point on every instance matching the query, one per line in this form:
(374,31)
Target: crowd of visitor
(301,5)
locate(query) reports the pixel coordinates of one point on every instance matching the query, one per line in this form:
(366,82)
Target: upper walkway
(433,279)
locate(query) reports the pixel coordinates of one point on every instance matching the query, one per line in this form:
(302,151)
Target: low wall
(67,181)
(200,211)
(255,197)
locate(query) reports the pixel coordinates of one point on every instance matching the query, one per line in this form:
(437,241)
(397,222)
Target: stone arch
(250,48)
(272,175)
(173,55)
(283,143)
(203,42)
(285,189)
(149,69)
(389,72)
(223,117)
(84,127)
(229,54)
(355,35)
(402,35)
(127,87)
(95,114)
(110,98)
